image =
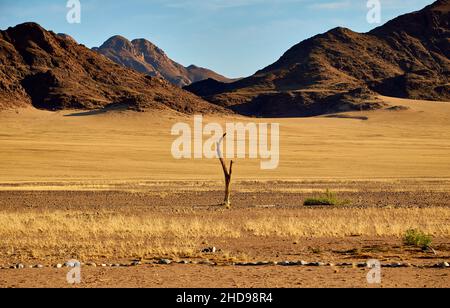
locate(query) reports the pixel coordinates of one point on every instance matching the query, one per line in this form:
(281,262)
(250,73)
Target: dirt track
(181,276)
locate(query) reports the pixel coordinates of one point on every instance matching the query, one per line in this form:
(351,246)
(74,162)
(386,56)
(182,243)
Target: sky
(232,37)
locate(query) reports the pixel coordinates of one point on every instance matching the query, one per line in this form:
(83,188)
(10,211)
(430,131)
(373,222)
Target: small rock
(59,265)
(209,250)
(136,263)
(39,266)
(262,263)
(273,263)
(165,261)
(116,265)
(104,265)
(92,264)
(316,264)
(72,264)
(304,263)
(183,262)
(284,263)
(362,265)
(20,266)
(345,264)
(444,265)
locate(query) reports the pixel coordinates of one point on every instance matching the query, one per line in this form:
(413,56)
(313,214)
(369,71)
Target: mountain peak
(145,57)
(117,42)
(440,5)
(27,26)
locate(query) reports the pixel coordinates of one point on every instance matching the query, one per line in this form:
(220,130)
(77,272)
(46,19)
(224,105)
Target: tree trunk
(227,173)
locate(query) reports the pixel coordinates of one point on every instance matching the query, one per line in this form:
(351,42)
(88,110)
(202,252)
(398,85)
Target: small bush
(327,199)
(417,238)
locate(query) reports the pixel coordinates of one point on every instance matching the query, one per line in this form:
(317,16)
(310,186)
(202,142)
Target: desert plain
(104,189)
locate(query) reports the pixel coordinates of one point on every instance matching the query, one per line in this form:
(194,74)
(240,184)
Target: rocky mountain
(143,56)
(54,72)
(343,70)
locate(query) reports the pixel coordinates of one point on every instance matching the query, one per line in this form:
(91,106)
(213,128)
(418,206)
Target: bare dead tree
(227,173)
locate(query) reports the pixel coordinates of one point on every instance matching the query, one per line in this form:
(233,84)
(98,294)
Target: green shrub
(326,199)
(417,238)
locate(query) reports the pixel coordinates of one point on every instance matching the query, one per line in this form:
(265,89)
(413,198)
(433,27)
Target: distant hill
(343,70)
(143,56)
(52,71)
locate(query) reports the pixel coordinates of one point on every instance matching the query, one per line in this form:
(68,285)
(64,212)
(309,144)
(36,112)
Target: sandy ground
(45,147)
(198,276)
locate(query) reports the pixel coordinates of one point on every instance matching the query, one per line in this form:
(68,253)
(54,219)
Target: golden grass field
(40,146)
(58,235)
(105,188)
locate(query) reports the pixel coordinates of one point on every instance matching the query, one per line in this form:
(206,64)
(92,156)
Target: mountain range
(52,71)
(339,70)
(143,56)
(343,70)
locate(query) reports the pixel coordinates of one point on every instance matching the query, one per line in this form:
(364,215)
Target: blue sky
(233,37)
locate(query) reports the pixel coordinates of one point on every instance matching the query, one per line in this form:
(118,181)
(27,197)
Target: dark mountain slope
(50,71)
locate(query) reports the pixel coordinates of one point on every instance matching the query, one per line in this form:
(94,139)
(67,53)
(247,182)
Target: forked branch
(227,172)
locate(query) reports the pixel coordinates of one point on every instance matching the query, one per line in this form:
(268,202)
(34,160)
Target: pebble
(444,265)
(72,264)
(209,250)
(165,261)
(59,265)
(20,266)
(345,264)
(92,264)
(39,266)
(361,265)
(136,263)
(262,263)
(316,264)
(396,265)
(104,265)
(304,263)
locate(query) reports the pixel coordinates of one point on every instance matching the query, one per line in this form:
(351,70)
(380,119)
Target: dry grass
(85,236)
(340,223)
